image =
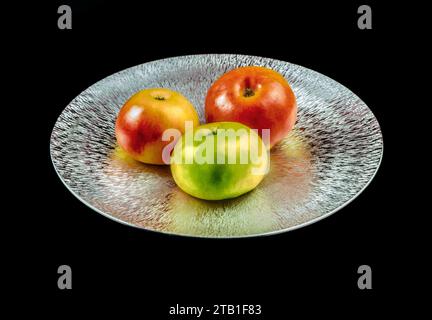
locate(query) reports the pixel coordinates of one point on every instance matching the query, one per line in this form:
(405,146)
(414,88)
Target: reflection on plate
(326,161)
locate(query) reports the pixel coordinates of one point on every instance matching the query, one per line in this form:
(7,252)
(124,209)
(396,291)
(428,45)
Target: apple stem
(248,92)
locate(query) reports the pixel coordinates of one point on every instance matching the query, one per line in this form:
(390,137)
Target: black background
(119,269)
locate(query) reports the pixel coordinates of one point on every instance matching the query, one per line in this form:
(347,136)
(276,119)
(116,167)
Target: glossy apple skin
(143,119)
(255,96)
(217,181)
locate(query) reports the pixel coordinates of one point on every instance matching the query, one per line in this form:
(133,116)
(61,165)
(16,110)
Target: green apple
(219,160)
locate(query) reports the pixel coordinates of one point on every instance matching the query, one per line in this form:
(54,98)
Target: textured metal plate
(328,159)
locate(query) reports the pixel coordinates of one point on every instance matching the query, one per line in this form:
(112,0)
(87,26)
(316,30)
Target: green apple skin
(217,181)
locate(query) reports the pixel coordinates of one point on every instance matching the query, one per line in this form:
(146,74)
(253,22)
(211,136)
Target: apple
(220,160)
(258,97)
(144,118)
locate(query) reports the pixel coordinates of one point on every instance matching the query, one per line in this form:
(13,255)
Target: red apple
(258,97)
(143,119)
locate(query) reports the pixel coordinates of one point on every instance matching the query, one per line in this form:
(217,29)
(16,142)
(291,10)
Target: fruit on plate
(220,160)
(258,97)
(143,119)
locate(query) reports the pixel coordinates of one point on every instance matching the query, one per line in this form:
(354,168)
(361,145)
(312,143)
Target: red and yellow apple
(143,119)
(258,97)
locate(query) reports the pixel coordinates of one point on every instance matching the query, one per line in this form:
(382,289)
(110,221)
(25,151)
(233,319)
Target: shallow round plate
(326,161)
